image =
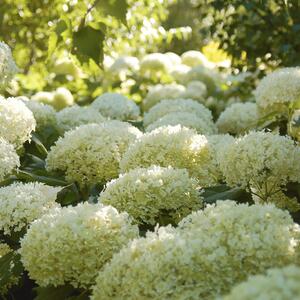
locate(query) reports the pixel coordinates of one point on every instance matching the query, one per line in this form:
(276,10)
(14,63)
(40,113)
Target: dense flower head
(17,121)
(73,116)
(9,159)
(124,63)
(91,153)
(22,203)
(186,119)
(116,106)
(153,195)
(165,146)
(238,118)
(62,98)
(179,72)
(195,90)
(160,92)
(211,251)
(155,62)
(279,89)
(44,114)
(194,58)
(279,284)
(44,97)
(263,160)
(176,105)
(70,244)
(8,67)
(174,58)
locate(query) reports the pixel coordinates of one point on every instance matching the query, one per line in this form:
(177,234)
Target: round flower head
(44,97)
(91,153)
(279,90)
(207,76)
(9,159)
(238,118)
(44,114)
(179,72)
(174,58)
(174,146)
(8,67)
(153,195)
(70,244)
(71,117)
(116,106)
(160,92)
(187,119)
(124,63)
(22,203)
(195,90)
(155,62)
(200,262)
(62,98)
(17,121)
(279,284)
(194,58)
(264,161)
(177,105)
(4,288)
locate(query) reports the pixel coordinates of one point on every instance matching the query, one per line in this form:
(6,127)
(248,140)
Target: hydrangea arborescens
(160,92)
(74,116)
(174,146)
(8,67)
(186,119)
(9,159)
(262,161)
(17,121)
(279,90)
(279,284)
(71,244)
(238,118)
(155,62)
(194,58)
(91,153)
(22,203)
(195,90)
(116,106)
(212,251)
(177,105)
(154,195)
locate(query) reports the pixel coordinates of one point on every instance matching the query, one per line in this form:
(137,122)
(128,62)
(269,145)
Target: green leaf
(223,192)
(10,267)
(52,42)
(69,195)
(39,145)
(88,43)
(57,293)
(115,8)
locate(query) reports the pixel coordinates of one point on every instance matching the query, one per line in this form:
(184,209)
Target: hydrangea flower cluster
(262,160)
(174,146)
(211,251)
(17,121)
(238,118)
(9,159)
(22,203)
(154,62)
(153,195)
(116,106)
(70,244)
(195,90)
(74,116)
(91,153)
(279,284)
(194,58)
(8,67)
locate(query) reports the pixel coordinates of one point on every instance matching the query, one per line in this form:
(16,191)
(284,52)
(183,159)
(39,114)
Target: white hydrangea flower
(124,63)
(179,72)
(8,67)
(74,116)
(155,62)
(71,244)
(186,119)
(153,195)
(91,153)
(62,98)
(278,90)
(174,146)
(9,159)
(17,121)
(195,90)
(238,118)
(177,105)
(174,58)
(116,106)
(160,92)
(212,251)
(22,203)
(279,284)
(261,160)
(194,58)
(44,114)
(44,97)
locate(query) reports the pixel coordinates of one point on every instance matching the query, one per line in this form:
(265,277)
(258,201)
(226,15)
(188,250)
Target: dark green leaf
(39,145)
(115,8)
(57,293)
(10,267)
